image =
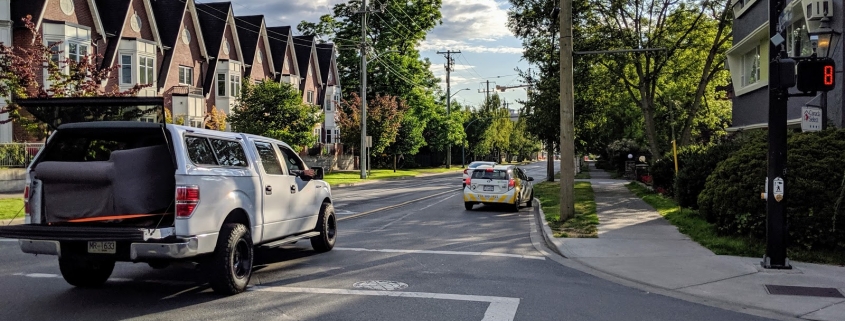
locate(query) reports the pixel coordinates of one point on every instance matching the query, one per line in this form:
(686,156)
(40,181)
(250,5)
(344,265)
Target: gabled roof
(20,8)
(113,22)
(304,46)
(325,55)
(213,18)
(252,31)
(170,15)
(281,42)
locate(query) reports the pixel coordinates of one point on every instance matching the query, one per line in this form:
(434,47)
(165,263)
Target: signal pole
(449,63)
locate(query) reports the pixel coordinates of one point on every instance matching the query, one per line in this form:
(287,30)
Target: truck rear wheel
(327,226)
(85,274)
(230,267)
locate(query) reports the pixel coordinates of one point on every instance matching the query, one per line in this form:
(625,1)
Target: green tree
(276,110)
(384,115)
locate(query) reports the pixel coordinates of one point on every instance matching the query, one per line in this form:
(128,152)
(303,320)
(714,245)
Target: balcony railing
(184,90)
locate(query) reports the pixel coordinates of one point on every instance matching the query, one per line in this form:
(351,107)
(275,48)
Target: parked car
(470,167)
(129,191)
(500,184)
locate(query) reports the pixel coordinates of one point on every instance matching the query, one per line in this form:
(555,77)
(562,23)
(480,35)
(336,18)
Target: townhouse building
(331,93)
(747,59)
(195,55)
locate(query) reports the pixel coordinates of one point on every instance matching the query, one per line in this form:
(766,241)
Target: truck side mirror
(318,172)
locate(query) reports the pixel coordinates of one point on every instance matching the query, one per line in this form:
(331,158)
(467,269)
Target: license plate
(488,188)
(108,247)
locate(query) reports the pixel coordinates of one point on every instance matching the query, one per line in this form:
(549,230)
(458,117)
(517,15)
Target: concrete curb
(341,185)
(559,254)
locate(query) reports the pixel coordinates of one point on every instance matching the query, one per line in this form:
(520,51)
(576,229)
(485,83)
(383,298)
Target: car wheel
(516,203)
(327,226)
(85,274)
(231,264)
(468,205)
(531,199)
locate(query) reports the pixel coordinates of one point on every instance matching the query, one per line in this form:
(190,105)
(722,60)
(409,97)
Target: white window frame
(310,97)
(738,65)
(147,69)
(131,70)
(186,75)
(234,85)
(751,67)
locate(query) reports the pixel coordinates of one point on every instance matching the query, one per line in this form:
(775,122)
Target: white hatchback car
(471,166)
(500,184)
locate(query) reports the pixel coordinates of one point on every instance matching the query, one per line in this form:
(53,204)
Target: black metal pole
(823,105)
(775,257)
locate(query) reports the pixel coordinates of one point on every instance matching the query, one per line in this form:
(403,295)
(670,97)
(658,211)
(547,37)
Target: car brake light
(26,200)
(187,198)
(467,181)
(465,172)
(511,183)
(489,170)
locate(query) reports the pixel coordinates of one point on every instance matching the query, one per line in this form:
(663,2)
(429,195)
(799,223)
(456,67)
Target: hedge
(814,190)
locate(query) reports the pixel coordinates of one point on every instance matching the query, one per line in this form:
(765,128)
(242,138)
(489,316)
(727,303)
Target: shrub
(731,197)
(663,175)
(618,153)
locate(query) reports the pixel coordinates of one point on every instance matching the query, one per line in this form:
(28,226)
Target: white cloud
(472,20)
(463,46)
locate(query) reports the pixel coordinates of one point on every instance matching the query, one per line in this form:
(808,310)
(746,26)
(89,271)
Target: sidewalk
(637,244)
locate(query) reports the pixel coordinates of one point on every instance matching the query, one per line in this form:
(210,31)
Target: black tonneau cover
(58,111)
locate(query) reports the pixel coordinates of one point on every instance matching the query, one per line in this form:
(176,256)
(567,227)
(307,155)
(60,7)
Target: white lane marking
(442,252)
(344,212)
(413,212)
(8,240)
(500,308)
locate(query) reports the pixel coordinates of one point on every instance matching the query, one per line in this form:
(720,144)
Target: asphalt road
(426,260)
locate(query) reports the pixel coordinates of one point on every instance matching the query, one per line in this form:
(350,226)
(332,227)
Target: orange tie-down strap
(111,217)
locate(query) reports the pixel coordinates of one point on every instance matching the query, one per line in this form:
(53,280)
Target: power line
(461,56)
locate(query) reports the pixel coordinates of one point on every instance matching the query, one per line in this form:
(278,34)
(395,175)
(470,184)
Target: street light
(459,90)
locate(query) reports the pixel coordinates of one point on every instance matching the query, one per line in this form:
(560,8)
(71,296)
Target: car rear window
(476,165)
(495,174)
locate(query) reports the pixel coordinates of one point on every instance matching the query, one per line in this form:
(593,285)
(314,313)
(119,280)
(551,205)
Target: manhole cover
(381,285)
(804,291)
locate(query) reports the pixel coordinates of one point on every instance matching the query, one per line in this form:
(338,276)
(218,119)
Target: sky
(476,28)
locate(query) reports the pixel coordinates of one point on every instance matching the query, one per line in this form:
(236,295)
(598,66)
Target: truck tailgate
(72,233)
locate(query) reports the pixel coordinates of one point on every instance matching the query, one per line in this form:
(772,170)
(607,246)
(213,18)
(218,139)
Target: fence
(18,154)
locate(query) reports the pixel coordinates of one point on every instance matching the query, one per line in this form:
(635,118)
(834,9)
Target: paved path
(636,243)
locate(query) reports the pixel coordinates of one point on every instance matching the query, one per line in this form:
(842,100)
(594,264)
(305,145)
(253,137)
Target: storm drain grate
(804,291)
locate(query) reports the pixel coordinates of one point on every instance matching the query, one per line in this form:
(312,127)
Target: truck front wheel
(85,273)
(327,226)
(230,266)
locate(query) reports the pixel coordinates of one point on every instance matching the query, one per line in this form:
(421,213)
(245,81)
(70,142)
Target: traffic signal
(816,75)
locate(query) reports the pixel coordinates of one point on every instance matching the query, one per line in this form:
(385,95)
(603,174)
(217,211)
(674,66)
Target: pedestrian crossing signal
(816,75)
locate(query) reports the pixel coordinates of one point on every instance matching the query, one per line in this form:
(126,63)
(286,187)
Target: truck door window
(291,160)
(199,151)
(230,153)
(269,159)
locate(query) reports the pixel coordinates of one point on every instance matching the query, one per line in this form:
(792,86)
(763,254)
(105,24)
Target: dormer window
(186,75)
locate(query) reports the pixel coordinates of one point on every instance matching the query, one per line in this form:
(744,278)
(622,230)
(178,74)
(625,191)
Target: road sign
(778,189)
(811,119)
(369,141)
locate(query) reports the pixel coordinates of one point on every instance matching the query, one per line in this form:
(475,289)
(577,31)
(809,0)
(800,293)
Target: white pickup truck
(129,191)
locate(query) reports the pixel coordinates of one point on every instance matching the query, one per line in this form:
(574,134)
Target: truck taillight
(26,200)
(511,183)
(187,198)
(467,181)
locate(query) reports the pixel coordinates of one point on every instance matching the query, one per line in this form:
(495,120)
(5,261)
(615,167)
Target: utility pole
(449,63)
(567,111)
(486,91)
(363,159)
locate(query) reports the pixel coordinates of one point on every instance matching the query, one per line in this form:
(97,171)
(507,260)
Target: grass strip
(11,208)
(585,222)
(344,177)
(699,230)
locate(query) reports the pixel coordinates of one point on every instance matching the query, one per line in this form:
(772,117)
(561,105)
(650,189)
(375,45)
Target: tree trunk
(648,113)
(550,163)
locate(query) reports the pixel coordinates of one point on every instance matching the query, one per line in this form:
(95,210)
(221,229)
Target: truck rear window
(495,174)
(216,152)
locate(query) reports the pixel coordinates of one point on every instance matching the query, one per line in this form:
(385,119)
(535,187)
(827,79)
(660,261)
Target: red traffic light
(816,75)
